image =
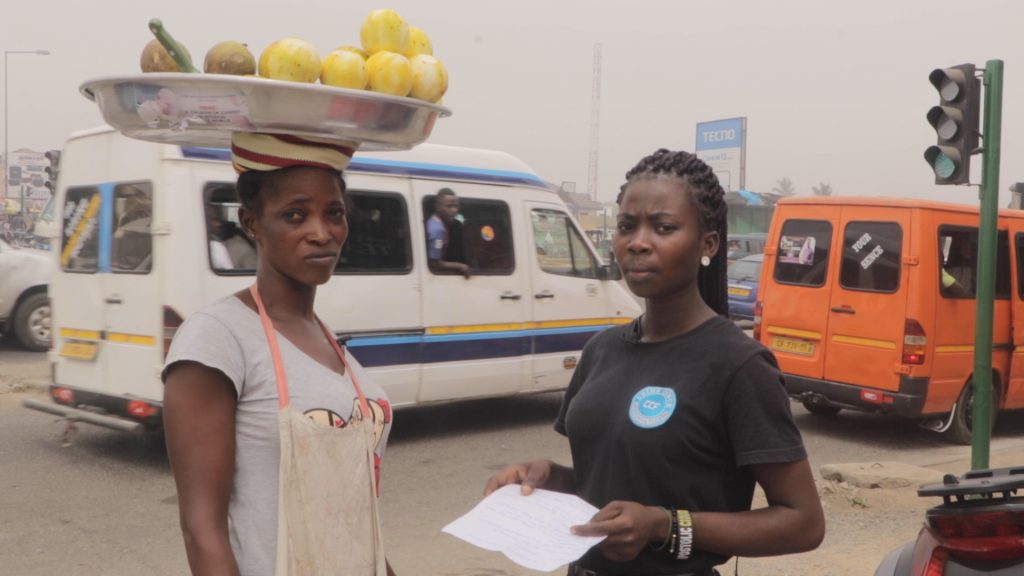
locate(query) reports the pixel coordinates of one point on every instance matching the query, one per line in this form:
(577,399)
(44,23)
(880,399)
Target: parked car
(741,245)
(24,304)
(744,275)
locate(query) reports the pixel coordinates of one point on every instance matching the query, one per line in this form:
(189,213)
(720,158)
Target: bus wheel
(820,409)
(963,414)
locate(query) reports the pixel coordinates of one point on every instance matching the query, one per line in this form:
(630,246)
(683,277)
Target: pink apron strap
(363,404)
(275,351)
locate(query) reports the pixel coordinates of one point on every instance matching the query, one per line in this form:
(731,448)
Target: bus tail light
(914,342)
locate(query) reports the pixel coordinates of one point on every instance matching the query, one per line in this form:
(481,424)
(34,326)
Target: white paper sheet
(532,531)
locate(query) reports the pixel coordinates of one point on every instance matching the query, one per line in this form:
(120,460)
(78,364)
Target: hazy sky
(834,91)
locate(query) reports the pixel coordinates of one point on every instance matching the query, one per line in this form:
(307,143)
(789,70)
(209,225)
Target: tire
(32,322)
(820,409)
(960,428)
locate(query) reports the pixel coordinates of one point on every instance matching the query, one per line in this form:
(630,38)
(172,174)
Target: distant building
(26,180)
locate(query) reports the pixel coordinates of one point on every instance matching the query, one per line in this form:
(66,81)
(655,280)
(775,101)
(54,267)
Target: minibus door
(1015,390)
(475,341)
(867,312)
(567,298)
(133,351)
(796,288)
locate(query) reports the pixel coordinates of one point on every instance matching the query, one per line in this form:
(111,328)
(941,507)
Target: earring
(705,261)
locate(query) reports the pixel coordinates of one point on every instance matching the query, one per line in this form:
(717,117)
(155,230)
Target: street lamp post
(7,157)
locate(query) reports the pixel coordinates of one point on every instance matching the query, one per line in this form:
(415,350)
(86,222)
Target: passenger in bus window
(958,273)
(444,236)
(220,259)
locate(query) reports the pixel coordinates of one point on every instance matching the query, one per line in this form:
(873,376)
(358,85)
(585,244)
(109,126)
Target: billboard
(722,145)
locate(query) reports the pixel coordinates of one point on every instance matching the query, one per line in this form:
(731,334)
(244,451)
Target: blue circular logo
(652,406)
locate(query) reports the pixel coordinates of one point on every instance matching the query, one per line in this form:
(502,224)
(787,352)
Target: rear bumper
(101,410)
(908,401)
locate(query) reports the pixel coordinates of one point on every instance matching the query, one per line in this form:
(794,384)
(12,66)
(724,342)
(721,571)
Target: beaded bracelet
(684,534)
(668,535)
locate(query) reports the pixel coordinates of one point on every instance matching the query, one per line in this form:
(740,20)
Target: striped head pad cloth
(265,152)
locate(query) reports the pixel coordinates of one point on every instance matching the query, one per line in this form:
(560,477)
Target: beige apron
(327,518)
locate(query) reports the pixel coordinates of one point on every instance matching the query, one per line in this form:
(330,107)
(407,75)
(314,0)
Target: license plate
(793,346)
(739,291)
(79,350)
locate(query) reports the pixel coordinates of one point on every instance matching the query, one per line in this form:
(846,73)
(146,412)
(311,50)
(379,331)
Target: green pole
(981,417)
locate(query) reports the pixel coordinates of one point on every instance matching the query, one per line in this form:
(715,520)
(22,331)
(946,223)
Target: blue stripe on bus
(444,171)
(106,228)
(374,351)
(394,167)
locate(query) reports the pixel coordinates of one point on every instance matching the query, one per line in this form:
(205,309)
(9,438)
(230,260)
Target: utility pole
(595,124)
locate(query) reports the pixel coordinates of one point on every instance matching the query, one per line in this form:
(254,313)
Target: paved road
(106,503)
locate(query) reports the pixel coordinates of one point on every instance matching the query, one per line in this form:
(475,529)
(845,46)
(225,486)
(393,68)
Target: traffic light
(52,170)
(955,120)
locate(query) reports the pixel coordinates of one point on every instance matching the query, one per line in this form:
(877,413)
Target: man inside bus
(444,235)
(958,272)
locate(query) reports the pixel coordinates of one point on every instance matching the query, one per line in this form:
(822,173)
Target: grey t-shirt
(228,336)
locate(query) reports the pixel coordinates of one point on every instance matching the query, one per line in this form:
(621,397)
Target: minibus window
(560,247)
(958,253)
(80,230)
(803,252)
(480,237)
(229,250)
(872,256)
(378,235)
(132,243)
(1020,264)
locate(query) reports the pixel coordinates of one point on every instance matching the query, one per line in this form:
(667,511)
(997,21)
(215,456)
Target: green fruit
(230,57)
(155,58)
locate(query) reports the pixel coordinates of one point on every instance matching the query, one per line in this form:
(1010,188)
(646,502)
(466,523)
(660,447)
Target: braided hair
(707,195)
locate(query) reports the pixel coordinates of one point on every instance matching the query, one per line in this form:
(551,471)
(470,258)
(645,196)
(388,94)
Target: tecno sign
(720,136)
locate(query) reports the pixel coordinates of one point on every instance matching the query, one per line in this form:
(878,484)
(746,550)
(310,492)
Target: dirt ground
(862,525)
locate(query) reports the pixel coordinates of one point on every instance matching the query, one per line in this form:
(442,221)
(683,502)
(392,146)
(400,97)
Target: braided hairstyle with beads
(707,195)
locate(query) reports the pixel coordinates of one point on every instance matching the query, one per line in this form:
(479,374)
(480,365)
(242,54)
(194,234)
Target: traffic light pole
(983,409)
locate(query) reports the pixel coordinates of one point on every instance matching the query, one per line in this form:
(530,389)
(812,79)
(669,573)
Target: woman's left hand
(629,527)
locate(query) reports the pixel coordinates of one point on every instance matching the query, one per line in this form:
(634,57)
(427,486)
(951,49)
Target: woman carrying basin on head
(674,418)
(274,432)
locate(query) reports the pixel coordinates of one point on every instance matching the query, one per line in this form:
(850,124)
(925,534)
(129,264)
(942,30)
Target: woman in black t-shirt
(673,419)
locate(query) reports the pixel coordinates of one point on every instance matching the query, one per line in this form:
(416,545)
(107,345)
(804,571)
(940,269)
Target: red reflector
(873,397)
(63,395)
(140,409)
(937,563)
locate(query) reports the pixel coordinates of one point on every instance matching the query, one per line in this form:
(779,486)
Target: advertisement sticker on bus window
(797,250)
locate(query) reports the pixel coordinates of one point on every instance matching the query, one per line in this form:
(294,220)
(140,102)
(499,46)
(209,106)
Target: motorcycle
(977,530)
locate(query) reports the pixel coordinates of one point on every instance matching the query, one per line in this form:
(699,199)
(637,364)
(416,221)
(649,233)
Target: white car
(24,304)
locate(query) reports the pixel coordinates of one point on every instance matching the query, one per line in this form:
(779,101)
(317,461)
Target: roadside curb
(903,475)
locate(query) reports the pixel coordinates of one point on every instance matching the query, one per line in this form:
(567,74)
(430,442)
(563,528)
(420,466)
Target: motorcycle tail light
(995,535)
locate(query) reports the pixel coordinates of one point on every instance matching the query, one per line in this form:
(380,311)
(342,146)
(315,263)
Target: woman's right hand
(531,475)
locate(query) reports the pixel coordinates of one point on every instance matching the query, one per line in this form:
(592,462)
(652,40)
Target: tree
(823,189)
(784,187)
